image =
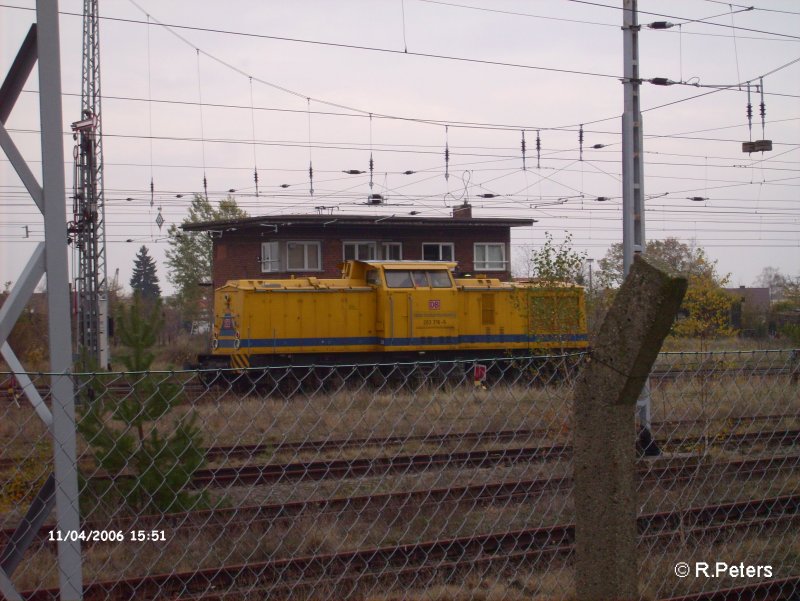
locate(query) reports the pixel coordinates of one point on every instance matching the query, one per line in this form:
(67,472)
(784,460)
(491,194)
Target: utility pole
(87,229)
(60,489)
(633,241)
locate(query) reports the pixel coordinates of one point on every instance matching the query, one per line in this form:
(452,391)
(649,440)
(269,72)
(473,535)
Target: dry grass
(301,536)
(228,418)
(732,343)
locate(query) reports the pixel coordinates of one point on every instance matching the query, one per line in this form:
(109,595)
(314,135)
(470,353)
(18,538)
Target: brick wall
(237,254)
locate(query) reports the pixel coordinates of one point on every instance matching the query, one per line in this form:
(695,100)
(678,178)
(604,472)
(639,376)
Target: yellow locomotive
(386,311)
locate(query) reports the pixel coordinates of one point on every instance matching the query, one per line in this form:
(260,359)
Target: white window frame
(306,243)
(273,251)
(370,243)
(440,245)
(487,265)
(386,245)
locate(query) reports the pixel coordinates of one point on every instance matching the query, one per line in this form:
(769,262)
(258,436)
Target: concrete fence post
(625,348)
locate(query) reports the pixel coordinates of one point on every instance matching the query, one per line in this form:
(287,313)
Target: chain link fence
(431,480)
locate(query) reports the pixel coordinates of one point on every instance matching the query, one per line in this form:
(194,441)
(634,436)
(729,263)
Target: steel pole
(633,240)
(60,337)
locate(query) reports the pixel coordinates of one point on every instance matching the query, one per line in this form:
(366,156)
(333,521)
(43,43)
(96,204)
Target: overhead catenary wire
(253,131)
(366,112)
(371,161)
(310,161)
(202,128)
(150,115)
(150,130)
(758,8)
(687,20)
(253,136)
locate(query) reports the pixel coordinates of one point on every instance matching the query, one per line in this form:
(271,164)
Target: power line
(351,47)
(759,8)
(152,21)
(688,20)
(596,23)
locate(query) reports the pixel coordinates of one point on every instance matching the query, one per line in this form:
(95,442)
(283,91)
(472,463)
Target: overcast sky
(153,84)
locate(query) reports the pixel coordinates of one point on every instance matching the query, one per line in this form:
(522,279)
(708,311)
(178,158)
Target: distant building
(756,299)
(282,246)
(750,307)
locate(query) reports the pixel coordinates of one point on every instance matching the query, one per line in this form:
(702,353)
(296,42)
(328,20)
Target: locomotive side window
(439,279)
(420,279)
(398,279)
(373,277)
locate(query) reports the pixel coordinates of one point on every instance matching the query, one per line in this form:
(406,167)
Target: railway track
(317,470)
(250,451)
(492,493)
(198,389)
(490,436)
(376,466)
(784,589)
(420,562)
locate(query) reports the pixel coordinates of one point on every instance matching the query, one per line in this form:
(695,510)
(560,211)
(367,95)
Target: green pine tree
(144,279)
(150,454)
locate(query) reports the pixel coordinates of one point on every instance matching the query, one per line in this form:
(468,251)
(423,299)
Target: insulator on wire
(446,154)
(580,142)
(371,170)
(763,110)
(205,186)
(152,192)
(749,113)
(371,162)
(310,162)
(524,166)
(538,149)
(255,179)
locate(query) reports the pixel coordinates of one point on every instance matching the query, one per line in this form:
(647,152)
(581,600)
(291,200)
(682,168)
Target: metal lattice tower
(88,225)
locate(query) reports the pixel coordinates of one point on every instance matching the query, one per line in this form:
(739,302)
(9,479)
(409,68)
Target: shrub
(150,468)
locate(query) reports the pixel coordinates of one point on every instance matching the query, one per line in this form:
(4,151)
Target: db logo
(434,304)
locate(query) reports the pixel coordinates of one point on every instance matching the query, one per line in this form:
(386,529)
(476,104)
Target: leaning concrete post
(623,352)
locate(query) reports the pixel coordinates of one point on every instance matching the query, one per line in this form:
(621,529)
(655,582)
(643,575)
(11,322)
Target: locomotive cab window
(398,279)
(440,279)
(373,277)
(420,279)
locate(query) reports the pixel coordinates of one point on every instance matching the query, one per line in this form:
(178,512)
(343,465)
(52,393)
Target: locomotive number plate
(434,304)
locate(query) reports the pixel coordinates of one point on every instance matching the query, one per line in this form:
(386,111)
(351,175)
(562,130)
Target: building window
(437,251)
(490,257)
(270,257)
(392,251)
(303,256)
(359,251)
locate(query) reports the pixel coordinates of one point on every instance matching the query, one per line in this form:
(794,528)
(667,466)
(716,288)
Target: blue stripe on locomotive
(415,341)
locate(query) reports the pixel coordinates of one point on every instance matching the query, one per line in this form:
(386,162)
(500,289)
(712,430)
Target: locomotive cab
(417,306)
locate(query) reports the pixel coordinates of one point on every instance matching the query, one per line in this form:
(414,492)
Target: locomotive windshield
(399,279)
(439,279)
(418,278)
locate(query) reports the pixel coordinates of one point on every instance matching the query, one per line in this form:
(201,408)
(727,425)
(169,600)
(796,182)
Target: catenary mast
(87,230)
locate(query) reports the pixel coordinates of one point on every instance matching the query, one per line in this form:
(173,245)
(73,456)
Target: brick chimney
(462,211)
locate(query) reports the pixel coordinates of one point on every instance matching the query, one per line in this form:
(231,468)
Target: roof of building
(354,220)
(756,298)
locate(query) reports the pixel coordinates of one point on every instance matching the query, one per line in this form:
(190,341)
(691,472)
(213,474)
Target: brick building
(280,246)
